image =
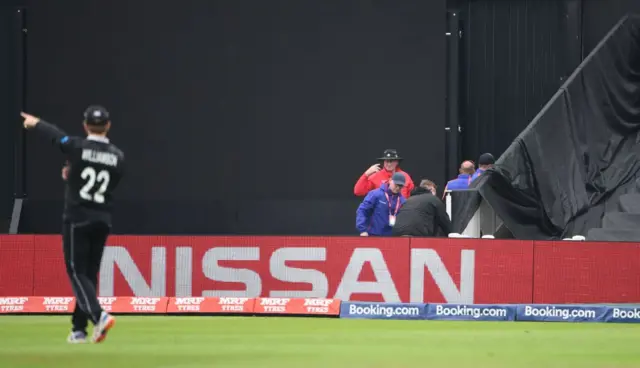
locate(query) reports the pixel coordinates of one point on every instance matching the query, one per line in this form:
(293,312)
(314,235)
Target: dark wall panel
(239,116)
(600,16)
(515,56)
(10,36)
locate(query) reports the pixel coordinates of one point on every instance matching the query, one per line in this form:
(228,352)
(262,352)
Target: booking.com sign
(382,310)
(443,312)
(556,313)
(459,312)
(623,315)
(492,312)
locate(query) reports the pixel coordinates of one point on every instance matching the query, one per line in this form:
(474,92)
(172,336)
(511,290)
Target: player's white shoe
(77,337)
(100,330)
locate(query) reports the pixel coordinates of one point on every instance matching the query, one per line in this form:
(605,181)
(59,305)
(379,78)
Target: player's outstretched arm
(57,136)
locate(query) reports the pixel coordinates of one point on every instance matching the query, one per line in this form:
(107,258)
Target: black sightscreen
(239,116)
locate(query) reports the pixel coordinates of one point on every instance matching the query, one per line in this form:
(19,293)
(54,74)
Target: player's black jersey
(95,169)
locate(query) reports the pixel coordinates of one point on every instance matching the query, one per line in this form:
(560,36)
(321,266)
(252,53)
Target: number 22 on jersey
(94,179)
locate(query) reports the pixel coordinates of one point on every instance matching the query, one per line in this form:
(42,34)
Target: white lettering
(430,258)
(274,301)
(276,309)
(56,308)
(189,308)
(379,310)
(470,311)
(12,308)
(144,301)
(7,301)
(120,256)
(233,301)
(56,301)
(563,313)
(184,301)
(233,308)
(184,271)
(105,158)
(383,285)
(317,309)
(106,301)
(318,302)
(280,271)
(626,314)
(144,308)
(212,270)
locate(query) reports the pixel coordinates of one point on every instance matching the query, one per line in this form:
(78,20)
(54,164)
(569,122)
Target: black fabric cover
(423,214)
(580,153)
(613,235)
(621,220)
(464,203)
(630,203)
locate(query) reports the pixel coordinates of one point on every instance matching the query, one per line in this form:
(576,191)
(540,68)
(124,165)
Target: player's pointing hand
(30,121)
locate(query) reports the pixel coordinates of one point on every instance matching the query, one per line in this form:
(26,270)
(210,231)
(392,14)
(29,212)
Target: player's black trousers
(83,245)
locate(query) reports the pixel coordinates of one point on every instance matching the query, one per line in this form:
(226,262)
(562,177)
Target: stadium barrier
(392,270)
(329,307)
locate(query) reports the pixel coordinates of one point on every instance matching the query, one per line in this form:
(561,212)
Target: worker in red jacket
(376,175)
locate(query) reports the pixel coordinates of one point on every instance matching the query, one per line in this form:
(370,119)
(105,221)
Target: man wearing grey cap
(376,215)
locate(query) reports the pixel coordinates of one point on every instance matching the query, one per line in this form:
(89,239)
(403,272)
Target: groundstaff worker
(376,215)
(423,214)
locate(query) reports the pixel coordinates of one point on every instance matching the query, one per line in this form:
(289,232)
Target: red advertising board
(468,271)
(219,269)
(17,265)
(36,304)
(231,305)
(236,305)
(66,304)
(587,272)
(297,306)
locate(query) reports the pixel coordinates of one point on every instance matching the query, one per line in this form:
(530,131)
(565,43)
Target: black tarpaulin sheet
(630,202)
(464,203)
(612,235)
(621,220)
(580,153)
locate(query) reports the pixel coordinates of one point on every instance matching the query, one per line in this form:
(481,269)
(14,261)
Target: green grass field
(35,341)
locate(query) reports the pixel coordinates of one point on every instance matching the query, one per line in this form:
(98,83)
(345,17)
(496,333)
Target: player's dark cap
(486,159)
(96,115)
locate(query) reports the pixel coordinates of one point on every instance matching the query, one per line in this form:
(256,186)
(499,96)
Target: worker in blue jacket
(467,168)
(376,215)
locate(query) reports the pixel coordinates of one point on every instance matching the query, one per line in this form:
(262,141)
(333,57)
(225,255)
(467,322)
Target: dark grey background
(600,15)
(10,84)
(242,116)
(238,116)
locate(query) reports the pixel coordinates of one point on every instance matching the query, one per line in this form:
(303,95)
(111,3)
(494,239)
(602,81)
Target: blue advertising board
(366,310)
(560,313)
(475,312)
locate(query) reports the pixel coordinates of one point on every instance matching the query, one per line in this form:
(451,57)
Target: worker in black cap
(381,173)
(94,169)
(485,162)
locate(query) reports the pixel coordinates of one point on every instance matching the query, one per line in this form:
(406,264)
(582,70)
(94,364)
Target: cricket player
(94,169)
